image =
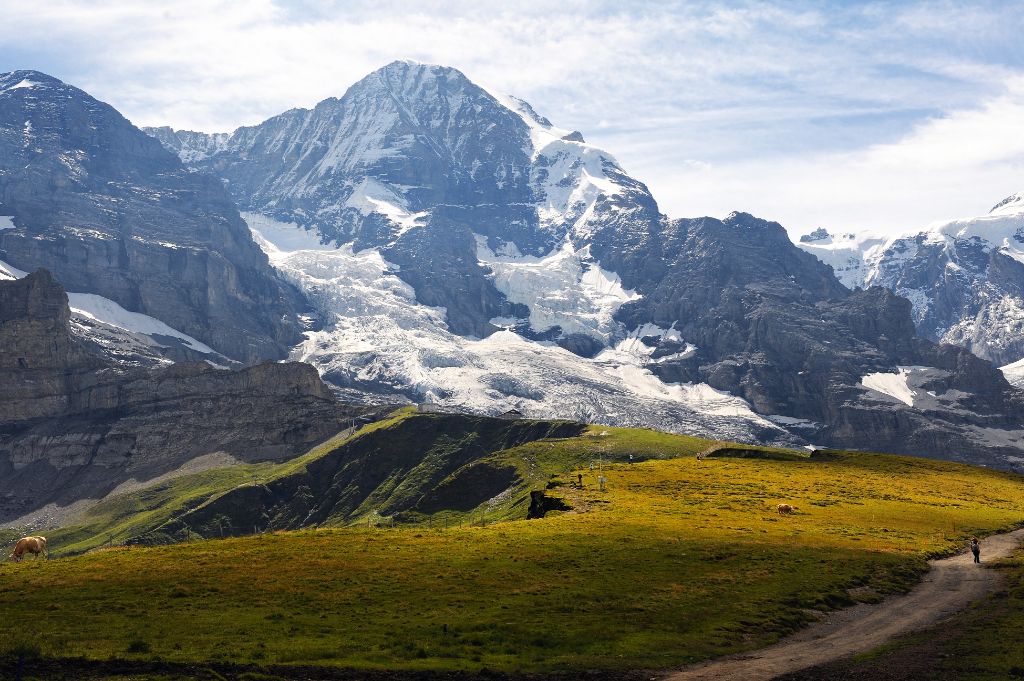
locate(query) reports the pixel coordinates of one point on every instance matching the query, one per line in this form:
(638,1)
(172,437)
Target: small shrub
(138,646)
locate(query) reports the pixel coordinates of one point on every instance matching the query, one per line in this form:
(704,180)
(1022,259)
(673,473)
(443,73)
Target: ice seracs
(565,289)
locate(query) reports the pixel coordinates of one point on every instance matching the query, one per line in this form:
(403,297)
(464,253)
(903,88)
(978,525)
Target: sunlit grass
(677,560)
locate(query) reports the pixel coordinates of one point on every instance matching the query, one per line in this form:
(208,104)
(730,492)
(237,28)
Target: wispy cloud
(954,165)
(769,107)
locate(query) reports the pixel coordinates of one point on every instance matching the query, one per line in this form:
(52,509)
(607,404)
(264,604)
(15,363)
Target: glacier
(458,248)
(376,334)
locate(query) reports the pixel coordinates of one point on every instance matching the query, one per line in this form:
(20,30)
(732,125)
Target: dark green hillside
(418,465)
(399,470)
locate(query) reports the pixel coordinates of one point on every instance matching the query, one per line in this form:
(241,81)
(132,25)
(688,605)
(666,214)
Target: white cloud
(956,165)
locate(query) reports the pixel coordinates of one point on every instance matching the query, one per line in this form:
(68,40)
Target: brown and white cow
(785,509)
(33,545)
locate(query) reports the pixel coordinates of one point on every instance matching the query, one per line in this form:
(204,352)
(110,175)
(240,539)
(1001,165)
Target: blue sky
(884,116)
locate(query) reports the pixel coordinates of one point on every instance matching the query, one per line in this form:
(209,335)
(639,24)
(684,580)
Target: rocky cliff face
(494,218)
(74,426)
(41,366)
(774,326)
(965,278)
(110,212)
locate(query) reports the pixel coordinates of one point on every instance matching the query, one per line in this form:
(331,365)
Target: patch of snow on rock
(565,288)
(108,312)
(1014,373)
(25,83)
(792,422)
(371,196)
(894,385)
(280,237)
(9,272)
(634,344)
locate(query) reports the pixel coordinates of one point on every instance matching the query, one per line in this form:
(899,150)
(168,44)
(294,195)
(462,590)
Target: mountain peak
(1011,204)
(406,74)
(820,234)
(26,79)
(418,67)
(412,64)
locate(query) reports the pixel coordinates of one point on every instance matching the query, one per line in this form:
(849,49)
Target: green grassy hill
(407,469)
(678,559)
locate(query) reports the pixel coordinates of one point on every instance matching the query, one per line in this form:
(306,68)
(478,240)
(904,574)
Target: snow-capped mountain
(106,209)
(965,278)
(461,248)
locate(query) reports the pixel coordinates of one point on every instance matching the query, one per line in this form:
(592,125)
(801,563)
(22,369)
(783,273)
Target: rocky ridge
(104,207)
(965,278)
(74,426)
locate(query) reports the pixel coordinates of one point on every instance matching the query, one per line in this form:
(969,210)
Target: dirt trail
(950,586)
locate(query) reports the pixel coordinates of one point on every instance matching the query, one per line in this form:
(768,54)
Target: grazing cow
(785,509)
(33,545)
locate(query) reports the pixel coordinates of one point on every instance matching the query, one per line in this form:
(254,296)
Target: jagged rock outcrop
(110,212)
(41,367)
(73,426)
(190,146)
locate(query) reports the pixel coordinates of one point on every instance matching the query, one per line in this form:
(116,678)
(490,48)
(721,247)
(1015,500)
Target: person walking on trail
(976,549)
